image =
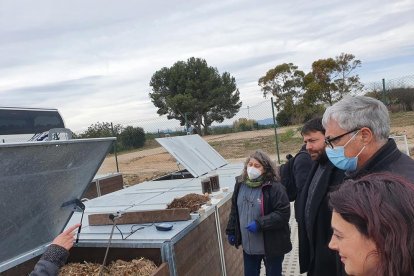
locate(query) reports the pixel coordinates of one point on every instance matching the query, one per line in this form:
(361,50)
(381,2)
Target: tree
(132,137)
(195,91)
(331,79)
(103,129)
(402,96)
(244,124)
(285,82)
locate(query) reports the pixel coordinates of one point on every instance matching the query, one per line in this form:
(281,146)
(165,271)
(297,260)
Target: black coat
(302,166)
(274,221)
(388,159)
(315,257)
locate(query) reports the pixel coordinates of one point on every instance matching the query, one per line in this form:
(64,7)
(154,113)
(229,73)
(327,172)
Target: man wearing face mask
(259,217)
(357,131)
(357,141)
(313,213)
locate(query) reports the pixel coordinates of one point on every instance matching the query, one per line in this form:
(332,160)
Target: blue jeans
(273,264)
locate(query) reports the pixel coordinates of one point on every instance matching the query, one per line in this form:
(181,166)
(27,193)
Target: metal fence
(253,127)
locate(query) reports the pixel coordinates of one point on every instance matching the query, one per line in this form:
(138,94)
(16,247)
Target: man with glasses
(357,139)
(312,211)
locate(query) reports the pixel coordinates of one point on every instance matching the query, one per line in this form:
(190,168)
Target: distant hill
(265,122)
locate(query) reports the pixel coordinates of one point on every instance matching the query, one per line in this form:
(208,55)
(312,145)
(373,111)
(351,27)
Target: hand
(66,238)
(253,227)
(231,239)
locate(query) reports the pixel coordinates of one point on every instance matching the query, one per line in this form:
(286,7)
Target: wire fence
(255,127)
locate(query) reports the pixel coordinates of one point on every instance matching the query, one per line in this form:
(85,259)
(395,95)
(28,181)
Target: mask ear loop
(361,150)
(353,136)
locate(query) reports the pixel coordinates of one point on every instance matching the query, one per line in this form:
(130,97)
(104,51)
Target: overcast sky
(93,59)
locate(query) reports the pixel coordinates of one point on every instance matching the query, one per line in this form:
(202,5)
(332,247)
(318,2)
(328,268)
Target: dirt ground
(148,164)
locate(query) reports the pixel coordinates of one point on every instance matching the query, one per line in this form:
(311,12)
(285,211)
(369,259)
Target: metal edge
(55,142)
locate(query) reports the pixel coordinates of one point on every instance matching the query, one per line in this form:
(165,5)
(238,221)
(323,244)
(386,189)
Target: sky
(93,59)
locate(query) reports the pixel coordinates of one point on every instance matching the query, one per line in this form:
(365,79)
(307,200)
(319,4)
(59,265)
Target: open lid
(36,179)
(194,153)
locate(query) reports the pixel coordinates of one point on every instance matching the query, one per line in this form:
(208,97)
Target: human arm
(56,254)
(279,213)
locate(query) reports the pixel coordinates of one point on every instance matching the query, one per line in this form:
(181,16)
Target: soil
(190,201)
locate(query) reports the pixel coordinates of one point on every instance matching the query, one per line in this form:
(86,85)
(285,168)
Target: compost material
(138,267)
(190,201)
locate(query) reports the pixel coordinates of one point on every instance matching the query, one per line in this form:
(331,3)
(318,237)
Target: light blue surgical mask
(338,158)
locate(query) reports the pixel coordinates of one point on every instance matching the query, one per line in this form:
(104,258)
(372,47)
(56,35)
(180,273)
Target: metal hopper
(36,180)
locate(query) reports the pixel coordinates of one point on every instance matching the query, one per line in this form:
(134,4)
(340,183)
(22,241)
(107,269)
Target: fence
(253,128)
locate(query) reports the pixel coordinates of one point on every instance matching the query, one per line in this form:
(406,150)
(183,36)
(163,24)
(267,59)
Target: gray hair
(360,111)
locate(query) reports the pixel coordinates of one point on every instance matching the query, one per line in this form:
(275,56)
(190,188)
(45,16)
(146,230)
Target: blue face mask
(338,158)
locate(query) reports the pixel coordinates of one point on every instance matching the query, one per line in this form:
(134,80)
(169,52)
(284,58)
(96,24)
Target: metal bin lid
(36,178)
(194,153)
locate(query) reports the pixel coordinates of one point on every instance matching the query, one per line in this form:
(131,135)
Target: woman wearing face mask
(259,217)
(372,222)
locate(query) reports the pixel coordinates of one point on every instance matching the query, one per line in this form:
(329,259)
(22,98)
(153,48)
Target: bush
(132,137)
(244,124)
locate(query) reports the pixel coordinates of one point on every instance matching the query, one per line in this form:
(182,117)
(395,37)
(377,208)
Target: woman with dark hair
(373,221)
(259,217)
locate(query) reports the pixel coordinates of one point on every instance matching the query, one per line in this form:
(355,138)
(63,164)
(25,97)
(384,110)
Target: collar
(387,154)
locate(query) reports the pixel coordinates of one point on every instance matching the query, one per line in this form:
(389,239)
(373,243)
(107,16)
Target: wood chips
(138,267)
(190,201)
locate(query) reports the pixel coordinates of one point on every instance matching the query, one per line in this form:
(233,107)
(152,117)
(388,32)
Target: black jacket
(315,257)
(274,221)
(388,159)
(302,166)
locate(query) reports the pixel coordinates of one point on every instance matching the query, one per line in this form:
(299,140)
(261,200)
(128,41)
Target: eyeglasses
(329,140)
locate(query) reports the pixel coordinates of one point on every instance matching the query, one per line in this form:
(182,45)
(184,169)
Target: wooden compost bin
(96,255)
(103,185)
(198,252)
(233,257)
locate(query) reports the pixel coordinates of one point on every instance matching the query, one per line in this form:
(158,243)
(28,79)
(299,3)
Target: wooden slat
(142,217)
(162,270)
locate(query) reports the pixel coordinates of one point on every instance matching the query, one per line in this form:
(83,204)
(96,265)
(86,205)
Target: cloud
(93,60)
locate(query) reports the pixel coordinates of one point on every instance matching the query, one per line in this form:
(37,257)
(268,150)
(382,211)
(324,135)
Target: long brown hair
(270,171)
(381,207)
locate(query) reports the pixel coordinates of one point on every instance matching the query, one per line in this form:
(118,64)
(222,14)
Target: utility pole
(275,126)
